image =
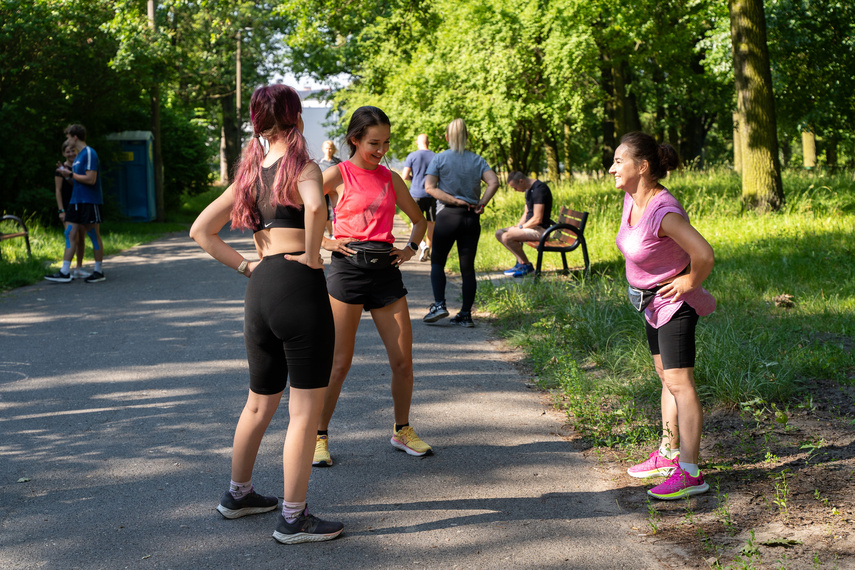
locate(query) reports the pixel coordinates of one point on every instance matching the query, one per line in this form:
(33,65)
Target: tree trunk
(626,105)
(609,142)
(786,153)
(809,149)
(230,135)
(550,147)
(737,144)
(157,159)
(568,158)
(831,153)
(761,168)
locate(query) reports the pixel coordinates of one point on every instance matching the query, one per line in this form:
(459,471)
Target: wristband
(61,211)
(242,267)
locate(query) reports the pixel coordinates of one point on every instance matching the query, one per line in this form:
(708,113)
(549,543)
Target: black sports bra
(279,216)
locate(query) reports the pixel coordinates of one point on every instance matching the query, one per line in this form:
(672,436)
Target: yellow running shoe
(406,439)
(322,452)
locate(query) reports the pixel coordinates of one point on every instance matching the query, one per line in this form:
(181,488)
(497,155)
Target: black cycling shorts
(288,327)
(675,340)
(371,288)
(428,207)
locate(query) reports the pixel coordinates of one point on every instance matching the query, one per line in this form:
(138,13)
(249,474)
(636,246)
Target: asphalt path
(118,402)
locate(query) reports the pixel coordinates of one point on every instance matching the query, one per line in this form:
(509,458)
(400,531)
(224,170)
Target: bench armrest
(558,227)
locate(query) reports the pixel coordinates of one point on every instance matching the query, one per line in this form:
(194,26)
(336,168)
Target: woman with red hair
(288,324)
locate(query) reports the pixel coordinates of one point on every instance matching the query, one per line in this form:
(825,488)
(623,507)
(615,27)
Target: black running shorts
(85,214)
(288,327)
(675,340)
(371,288)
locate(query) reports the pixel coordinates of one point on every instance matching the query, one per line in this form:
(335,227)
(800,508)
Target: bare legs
(682,416)
(393,325)
(304,407)
(512,239)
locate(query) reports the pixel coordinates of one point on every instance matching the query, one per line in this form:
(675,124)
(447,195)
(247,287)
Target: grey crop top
(279,216)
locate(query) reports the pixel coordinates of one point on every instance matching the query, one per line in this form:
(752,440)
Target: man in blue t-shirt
(533,223)
(84,213)
(415,167)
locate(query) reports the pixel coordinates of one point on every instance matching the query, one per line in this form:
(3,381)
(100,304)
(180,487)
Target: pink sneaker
(680,484)
(655,465)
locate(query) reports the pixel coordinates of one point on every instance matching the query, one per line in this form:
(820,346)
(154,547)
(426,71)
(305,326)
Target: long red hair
(273,112)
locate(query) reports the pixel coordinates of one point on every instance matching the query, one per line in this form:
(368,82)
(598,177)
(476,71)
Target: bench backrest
(571,218)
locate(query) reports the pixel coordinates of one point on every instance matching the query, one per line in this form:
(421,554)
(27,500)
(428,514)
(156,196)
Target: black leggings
(288,326)
(463,226)
(675,340)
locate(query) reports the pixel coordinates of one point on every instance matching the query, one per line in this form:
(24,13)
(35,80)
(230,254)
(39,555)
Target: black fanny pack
(640,298)
(370,254)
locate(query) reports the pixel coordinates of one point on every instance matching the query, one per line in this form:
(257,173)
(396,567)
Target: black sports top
(278,216)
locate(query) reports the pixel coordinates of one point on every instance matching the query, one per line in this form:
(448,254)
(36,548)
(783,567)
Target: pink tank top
(366,208)
(651,259)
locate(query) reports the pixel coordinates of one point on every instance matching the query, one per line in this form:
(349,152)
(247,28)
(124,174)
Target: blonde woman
(454,178)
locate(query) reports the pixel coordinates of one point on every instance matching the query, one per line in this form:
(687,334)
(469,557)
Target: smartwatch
(414,246)
(242,267)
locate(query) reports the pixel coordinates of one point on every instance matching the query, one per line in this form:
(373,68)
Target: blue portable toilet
(133,180)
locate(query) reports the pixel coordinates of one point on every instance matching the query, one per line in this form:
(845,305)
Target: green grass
(48,242)
(585,341)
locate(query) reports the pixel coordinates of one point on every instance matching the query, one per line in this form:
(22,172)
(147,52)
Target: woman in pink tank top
(667,260)
(364,275)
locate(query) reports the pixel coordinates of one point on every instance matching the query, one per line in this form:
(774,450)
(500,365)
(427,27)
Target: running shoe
(95,277)
(80,274)
(322,452)
(654,466)
(523,270)
(251,504)
(462,320)
(680,484)
(424,252)
(513,269)
(406,439)
(59,277)
(435,312)
(307,528)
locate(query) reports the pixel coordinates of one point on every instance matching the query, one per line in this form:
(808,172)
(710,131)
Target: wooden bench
(564,237)
(23,233)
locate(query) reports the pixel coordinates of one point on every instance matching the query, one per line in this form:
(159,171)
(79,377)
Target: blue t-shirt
(418,162)
(86,159)
(459,174)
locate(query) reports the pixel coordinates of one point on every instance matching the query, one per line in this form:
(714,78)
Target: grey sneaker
(59,277)
(435,312)
(80,274)
(307,528)
(251,504)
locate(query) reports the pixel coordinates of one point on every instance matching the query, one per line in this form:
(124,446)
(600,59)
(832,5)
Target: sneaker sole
(398,445)
(434,318)
(58,280)
(95,280)
(299,537)
(687,492)
(238,513)
(660,472)
(322,463)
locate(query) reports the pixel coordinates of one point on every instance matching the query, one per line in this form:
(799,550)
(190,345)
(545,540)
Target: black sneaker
(251,504)
(307,528)
(95,277)
(59,277)
(435,312)
(463,320)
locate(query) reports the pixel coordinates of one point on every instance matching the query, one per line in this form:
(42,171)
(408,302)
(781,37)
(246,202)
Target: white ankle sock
(240,490)
(668,452)
(290,511)
(690,468)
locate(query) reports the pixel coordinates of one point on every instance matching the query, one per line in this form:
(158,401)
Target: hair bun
(668,157)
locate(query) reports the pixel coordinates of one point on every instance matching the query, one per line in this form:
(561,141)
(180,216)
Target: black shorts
(675,340)
(83,213)
(371,288)
(288,327)
(428,207)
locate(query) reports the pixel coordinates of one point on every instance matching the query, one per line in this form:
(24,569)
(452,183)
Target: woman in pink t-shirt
(667,260)
(364,275)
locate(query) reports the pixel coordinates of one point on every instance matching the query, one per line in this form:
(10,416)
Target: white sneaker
(424,252)
(80,274)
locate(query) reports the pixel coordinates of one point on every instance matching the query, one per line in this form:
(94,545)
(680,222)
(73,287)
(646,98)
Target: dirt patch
(782,489)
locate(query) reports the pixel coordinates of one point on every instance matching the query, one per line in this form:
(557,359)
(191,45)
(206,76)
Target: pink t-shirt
(651,259)
(366,208)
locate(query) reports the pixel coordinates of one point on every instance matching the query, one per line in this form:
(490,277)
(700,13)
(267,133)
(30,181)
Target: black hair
(361,120)
(661,158)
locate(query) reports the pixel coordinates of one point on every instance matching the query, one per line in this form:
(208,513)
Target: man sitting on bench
(533,223)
